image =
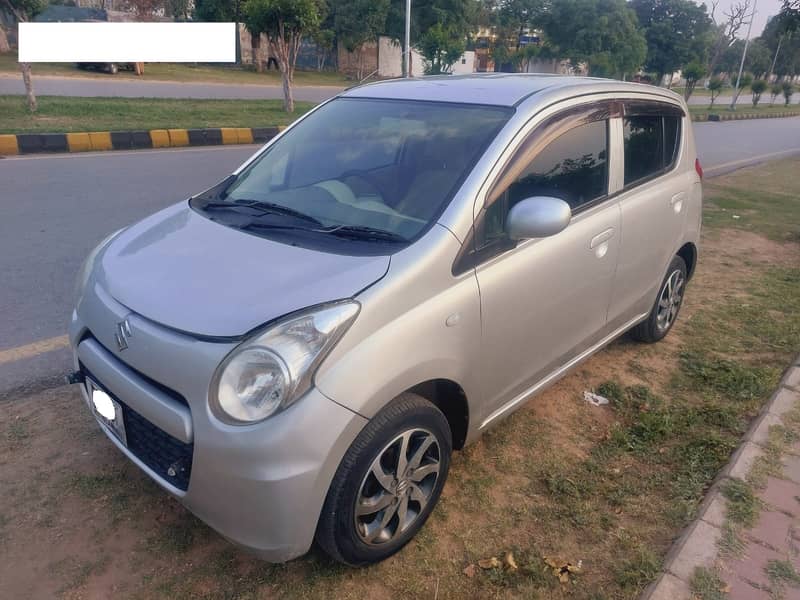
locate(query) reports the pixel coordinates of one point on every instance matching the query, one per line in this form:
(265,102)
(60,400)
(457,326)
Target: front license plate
(107,410)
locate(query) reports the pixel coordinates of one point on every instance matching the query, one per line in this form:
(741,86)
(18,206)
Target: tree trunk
(26,78)
(288,98)
(4,45)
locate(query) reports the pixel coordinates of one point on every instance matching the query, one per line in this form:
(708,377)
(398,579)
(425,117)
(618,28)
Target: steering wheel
(364,176)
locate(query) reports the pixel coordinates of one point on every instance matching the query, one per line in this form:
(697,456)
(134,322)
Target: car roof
(498,89)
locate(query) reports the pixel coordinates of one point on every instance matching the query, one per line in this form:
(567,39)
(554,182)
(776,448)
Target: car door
(544,301)
(653,203)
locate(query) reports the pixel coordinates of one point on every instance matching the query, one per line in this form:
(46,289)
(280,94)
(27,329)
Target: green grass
(66,114)
(188,72)
(743,107)
(742,503)
(707,585)
(768,211)
(782,572)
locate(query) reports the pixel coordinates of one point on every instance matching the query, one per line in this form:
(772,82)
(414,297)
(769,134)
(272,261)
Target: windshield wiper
(364,233)
(265,208)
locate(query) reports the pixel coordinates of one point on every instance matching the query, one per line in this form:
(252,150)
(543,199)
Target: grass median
(181,72)
(59,114)
(744,108)
(559,482)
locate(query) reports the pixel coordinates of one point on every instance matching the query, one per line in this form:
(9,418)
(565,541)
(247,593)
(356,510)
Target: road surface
(56,208)
(51,85)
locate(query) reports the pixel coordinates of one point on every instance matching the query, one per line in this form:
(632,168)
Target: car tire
(375,506)
(667,305)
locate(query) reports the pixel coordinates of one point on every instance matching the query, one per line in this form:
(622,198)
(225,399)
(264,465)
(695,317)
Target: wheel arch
(449,397)
(688,252)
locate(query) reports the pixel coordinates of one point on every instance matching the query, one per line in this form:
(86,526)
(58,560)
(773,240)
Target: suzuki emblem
(122,335)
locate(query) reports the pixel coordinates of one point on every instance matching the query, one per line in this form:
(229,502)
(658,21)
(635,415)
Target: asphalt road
(48,85)
(56,208)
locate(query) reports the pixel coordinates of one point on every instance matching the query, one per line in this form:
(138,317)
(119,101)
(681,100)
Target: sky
(764,9)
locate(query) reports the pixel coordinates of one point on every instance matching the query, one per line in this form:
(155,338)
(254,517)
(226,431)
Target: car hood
(184,271)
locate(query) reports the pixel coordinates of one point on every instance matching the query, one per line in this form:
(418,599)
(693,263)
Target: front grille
(167,456)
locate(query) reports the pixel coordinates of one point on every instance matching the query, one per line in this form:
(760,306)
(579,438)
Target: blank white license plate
(107,410)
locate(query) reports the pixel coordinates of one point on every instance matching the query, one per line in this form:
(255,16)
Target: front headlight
(269,371)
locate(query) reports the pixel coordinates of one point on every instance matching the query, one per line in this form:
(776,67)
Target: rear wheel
(667,305)
(387,484)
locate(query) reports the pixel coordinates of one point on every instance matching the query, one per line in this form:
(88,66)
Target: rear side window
(651,145)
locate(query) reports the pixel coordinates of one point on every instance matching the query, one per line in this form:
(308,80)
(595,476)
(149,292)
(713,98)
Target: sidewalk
(745,545)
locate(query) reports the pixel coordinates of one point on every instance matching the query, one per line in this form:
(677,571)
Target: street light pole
(407,61)
(744,54)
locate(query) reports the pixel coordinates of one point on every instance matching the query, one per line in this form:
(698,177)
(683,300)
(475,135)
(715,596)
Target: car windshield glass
(368,166)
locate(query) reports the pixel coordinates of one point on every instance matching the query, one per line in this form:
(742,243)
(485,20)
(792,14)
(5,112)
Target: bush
(715,87)
(758,87)
(788,89)
(692,72)
(775,91)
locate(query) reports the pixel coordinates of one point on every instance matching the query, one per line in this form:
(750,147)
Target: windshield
(378,170)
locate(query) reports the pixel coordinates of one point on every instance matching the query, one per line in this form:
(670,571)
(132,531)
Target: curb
(37,143)
(744,116)
(697,544)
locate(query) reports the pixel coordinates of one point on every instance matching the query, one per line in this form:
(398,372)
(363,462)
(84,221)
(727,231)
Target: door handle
(599,242)
(602,237)
(676,202)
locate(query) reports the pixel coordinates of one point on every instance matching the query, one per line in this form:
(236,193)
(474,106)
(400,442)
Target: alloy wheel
(669,301)
(397,486)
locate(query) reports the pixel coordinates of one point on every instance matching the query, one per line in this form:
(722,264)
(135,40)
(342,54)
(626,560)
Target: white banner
(127,42)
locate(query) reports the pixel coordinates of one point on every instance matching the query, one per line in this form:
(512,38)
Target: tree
(744,83)
(356,22)
(216,11)
(325,39)
(672,29)
(790,15)
(788,89)
(511,20)
(692,72)
(736,17)
(220,11)
(775,91)
(457,17)
(757,87)
(715,87)
(284,22)
(441,47)
(784,47)
(25,10)
(602,33)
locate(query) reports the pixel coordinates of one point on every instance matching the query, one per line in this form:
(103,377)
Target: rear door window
(651,145)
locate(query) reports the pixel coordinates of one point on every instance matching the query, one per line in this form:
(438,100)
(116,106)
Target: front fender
(418,323)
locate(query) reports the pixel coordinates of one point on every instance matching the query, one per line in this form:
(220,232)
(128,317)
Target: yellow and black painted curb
(36,143)
(744,116)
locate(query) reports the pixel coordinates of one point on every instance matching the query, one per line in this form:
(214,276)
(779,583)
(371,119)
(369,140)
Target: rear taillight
(698,168)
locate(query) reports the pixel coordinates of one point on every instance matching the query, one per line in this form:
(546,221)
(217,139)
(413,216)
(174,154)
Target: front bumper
(261,486)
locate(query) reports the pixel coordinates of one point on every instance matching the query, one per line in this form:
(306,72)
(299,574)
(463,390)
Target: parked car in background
(111,68)
(295,353)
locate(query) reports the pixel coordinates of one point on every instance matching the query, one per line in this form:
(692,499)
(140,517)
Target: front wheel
(667,305)
(387,483)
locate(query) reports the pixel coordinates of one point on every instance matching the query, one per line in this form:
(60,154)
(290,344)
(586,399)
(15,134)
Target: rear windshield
(366,165)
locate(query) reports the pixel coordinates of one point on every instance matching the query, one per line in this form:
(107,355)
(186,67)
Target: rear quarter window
(651,145)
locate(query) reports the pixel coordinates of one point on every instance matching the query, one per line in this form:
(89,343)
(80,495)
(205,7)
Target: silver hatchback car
(295,353)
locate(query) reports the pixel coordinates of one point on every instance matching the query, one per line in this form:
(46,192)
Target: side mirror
(537,217)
